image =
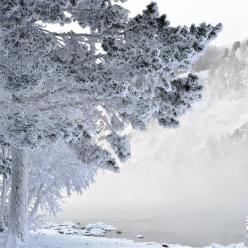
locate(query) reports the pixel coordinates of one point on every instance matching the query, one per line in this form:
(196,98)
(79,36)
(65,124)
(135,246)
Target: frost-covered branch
(58,87)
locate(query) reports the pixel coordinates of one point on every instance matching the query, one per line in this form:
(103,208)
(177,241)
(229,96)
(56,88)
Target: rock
(165,245)
(77,228)
(61,232)
(118,232)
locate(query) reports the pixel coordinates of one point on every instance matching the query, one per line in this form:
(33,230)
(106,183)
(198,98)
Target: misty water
(194,230)
(187,229)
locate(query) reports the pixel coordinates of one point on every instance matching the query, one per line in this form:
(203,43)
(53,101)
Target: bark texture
(3,201)
(17,226)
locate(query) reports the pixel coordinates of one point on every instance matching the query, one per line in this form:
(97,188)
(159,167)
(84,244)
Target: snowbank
(51,239)
(46,238)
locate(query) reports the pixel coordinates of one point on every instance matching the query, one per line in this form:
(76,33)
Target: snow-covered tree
(87,87)
(53,179)
(61,174)
(227,73)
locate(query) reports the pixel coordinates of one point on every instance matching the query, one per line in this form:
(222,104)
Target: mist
(180,170)
(187,179)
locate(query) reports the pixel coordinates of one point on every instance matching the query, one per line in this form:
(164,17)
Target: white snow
(97,229)
(52,239)
(68,223)
(101,225)
(139,236)
(46,238)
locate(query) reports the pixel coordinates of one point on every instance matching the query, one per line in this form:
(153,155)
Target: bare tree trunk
(35,209)
(17,225)
(36,205)
(30,195)
(3,201)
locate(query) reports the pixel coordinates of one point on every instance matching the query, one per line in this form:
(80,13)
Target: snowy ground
(51,239)
(69,235)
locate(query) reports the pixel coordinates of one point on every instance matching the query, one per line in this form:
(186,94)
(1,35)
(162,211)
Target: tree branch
(70,33)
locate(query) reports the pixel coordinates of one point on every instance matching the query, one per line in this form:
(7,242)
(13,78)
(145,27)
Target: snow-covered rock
(93,232)
(97,229)
(102,226)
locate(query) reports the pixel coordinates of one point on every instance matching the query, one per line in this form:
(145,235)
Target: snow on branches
(86,88)
(53,83)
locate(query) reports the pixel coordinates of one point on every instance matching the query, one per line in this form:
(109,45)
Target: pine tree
(62,85)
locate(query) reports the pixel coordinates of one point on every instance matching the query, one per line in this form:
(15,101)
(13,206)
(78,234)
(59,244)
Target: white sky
(233,14)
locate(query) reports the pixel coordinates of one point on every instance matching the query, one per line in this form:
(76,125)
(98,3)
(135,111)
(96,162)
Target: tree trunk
(3,201)
(17,225)
(36,205)
(35,209)
(4,150)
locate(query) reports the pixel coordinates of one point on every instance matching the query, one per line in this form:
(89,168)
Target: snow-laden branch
(58,86)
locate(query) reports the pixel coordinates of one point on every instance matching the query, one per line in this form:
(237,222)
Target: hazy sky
(232,13)
(148,179)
